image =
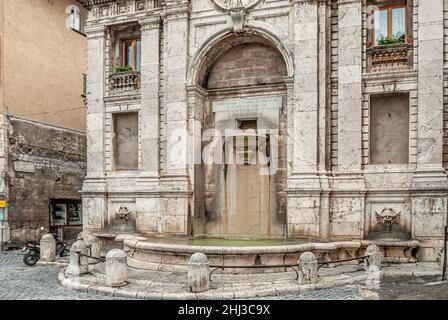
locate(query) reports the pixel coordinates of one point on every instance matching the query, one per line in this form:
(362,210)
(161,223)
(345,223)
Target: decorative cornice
(349,1)
(176,9)
(230,5)
(311,1)
(94,31)
(90,3)
(149,23)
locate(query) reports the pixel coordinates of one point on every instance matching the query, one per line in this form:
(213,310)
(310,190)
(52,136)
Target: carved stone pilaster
(149,23)
(176,9)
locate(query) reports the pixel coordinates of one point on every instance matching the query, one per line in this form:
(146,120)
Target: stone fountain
(392,237)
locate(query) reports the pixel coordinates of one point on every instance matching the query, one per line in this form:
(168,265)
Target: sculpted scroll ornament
(229,4)
(237,10)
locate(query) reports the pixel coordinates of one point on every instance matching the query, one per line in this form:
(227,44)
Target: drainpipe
(445,239)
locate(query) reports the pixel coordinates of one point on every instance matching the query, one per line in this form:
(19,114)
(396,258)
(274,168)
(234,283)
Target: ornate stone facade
(203,68)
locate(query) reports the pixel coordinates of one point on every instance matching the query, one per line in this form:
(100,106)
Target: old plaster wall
(44,162)
(43,63)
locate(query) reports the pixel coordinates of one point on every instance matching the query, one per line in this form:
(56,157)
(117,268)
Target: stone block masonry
(41,162)
(359,141)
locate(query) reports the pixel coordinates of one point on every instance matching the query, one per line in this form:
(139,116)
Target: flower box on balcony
(389,57)
(124,82)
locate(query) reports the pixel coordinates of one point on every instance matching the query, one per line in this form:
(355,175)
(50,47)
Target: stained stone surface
(328,186)
(40,283)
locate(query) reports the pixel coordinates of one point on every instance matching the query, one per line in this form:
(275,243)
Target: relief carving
(388,217)
(123,214)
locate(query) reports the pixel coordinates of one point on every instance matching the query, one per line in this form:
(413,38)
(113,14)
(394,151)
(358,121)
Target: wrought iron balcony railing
(389,57)
(124,82)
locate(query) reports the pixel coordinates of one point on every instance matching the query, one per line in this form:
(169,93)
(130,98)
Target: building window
(125,141)
(389,129)
(76,19)
(65,213)
(130,54)
(390,25)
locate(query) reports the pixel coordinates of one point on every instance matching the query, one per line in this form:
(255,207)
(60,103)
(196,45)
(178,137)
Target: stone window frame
(122,56)
(412,24)
(76,17)
(389,6)
(113,47)
(108,137)
(413,130)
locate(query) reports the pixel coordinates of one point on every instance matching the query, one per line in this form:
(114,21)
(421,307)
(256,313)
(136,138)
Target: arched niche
(248,67)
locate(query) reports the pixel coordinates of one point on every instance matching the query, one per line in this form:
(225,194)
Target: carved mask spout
(388,217)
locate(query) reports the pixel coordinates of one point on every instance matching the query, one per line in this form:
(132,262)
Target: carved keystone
(198,273)
(116,268)
(307,268)
(47,248)
(78,264)
(374,257)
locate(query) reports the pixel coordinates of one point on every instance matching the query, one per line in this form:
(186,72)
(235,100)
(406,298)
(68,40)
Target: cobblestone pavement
(20,282)
(339,293)
(413,288)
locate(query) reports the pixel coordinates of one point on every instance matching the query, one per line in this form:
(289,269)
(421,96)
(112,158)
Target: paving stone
(20,282)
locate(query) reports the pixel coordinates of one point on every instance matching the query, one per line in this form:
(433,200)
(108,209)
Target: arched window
(76,19)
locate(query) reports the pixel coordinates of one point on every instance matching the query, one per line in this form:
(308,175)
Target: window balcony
(389,58)
(124,82)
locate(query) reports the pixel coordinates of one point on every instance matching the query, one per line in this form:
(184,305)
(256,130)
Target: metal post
(445,239)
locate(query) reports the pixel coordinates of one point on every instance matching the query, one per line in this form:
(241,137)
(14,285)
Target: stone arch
(246,64)
(223,41)
(211,202)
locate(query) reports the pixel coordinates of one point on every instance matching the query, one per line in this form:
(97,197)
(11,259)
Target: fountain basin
(168,255)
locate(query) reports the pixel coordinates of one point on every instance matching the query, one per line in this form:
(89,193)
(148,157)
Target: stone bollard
(47,248)
(94,244)
(116,268)
(307,268)
(78,264)
(374,257)
(198,273)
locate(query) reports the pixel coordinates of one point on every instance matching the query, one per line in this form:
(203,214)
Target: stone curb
(286,290)
(52,264)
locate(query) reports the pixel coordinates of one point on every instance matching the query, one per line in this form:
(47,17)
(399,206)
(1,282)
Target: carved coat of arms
(237,10)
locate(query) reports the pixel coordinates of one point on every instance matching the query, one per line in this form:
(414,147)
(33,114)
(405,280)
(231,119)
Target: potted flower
(384,41)
(123,69)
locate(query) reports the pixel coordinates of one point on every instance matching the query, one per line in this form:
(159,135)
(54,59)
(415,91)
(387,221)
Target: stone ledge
(54,263)
(248,291)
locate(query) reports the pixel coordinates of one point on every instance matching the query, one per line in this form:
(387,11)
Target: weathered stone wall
(247,64)
(329,184)
(44,162)
(126,141)
(389,123)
